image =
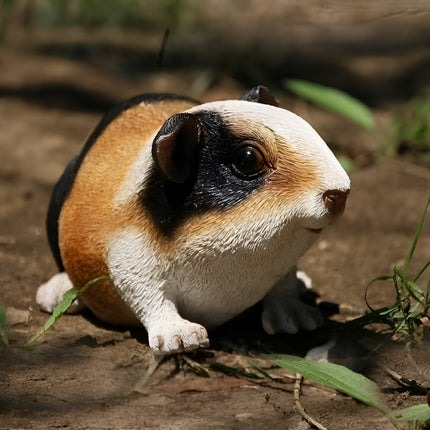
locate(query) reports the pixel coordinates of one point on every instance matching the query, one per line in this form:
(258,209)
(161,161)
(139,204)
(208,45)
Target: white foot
(175,337)
(51,294)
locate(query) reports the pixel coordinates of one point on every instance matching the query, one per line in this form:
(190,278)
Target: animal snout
(335,200)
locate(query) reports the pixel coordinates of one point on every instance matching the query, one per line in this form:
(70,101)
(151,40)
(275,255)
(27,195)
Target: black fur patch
(65,183)
(59,195)
(212,185)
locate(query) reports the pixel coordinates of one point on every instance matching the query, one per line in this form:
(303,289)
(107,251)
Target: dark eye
(247,161)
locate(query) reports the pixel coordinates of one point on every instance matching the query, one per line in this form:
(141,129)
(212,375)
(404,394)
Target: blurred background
(357,71)
(85,55)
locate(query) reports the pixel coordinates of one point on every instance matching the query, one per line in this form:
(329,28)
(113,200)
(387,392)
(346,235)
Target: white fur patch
(141,277)
(228,269)
(320,353)
(51,294)
(134,179)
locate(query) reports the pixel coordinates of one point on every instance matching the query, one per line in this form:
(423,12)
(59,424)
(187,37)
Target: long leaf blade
(335,376)
(413,413)
(334,100)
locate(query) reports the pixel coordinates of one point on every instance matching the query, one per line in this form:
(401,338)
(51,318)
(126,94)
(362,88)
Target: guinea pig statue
(195,212)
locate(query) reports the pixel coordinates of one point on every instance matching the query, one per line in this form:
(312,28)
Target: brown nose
(335,201)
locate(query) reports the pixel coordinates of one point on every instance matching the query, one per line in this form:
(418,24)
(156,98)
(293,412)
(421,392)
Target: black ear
(176,147)
(261,94)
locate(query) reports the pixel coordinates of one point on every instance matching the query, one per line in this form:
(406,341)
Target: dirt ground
(85,373)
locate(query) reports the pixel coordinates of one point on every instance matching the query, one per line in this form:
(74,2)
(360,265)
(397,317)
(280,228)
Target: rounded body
(196,212)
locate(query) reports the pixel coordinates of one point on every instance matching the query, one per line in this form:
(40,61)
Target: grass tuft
(412,303)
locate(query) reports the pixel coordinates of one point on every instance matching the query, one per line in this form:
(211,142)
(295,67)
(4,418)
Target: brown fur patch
(88,218)
(294,175)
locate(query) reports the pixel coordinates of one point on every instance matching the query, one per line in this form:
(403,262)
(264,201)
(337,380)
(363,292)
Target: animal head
(238,161)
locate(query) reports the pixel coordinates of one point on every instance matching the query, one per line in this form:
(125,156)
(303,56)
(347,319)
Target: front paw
(288,316)
(180,336)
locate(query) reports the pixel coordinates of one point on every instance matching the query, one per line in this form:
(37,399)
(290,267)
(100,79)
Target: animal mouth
(314,230)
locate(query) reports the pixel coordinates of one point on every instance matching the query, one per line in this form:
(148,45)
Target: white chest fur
(228,270)
(210,278)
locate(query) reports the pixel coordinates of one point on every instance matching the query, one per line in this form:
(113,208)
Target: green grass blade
(232,371)
(334,100)
(261,370)
(378,315)
(413,286)
(379,278)
(422,271)
(3,326)
(416,237)
(68,298)
(335,376)
(408,287)
(156,361)
(413,413)
(419,295)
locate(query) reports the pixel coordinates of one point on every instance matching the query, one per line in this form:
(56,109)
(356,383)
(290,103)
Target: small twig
(300,408)
(408,384)
(196,367)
